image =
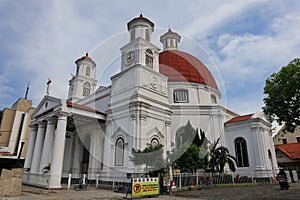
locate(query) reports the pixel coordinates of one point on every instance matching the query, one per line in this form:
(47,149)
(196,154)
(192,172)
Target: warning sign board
(145,186)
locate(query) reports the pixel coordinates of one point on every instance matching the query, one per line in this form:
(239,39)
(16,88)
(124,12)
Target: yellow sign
(144,186)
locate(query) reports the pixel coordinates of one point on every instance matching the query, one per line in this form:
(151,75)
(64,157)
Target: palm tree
(219,157)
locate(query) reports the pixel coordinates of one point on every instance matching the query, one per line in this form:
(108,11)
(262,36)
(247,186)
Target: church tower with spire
(83,83)
(140,50)
(170,40)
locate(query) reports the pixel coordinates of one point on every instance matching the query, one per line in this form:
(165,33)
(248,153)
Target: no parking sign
(145,186)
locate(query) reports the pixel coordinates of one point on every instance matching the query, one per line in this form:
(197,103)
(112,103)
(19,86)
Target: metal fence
(186,180)
(75,180)
(180,181)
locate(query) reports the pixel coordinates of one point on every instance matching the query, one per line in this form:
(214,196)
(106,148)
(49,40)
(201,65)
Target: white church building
(155,93)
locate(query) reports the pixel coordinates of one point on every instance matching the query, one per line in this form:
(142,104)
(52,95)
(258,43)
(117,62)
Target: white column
(38,148)
(58,152)
(48,145)
(95,154)
(68,155)
(77,154)
(168,138)
(31,144)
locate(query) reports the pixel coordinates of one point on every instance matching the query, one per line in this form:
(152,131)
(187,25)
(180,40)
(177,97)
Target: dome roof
(86,57)
(179,66)
(140,20)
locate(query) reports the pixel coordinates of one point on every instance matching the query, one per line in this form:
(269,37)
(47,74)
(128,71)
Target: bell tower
(140,50)
(170,40)
(83,84)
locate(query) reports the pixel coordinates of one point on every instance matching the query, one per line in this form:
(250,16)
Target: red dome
(86,57)
(183,67)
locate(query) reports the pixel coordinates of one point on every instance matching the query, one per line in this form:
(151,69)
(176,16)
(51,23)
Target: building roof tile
(82,107)
(183,67)
(291,150)
(239,118)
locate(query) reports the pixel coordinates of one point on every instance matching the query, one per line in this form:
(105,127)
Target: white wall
(259,141)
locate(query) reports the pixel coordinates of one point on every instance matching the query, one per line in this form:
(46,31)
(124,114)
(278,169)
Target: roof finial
(87,54)
(141,15)
(169,30)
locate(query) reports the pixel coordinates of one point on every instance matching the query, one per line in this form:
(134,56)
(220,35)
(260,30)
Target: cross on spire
(48,86)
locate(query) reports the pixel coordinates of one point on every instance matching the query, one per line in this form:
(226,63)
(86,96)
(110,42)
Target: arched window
(119,152)
(154,142)
(149,58)
(88,71)
(241,152)
(86,89)
(172,43)
(148,35)
(213,99)
(269,154)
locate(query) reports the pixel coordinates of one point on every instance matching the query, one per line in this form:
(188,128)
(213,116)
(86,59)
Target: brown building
(14,135)
(287,148)
(286,137)
(14,130)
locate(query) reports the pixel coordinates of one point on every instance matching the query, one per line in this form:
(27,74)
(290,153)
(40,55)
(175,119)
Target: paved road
(265,192)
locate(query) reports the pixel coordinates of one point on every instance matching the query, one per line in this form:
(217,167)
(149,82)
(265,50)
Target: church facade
(155,93)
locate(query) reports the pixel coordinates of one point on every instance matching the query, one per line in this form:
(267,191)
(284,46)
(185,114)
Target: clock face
(129,58)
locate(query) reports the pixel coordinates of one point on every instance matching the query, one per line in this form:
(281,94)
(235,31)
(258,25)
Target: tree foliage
(151,157)
(189,153)
(186,158)
(282,101)
(219,157)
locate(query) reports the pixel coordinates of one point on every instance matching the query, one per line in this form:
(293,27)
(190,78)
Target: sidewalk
(33,193)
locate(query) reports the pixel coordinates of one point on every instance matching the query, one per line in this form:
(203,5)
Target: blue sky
(244,41)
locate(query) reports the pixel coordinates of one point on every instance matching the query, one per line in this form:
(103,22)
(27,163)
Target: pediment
(47,104)
(120,131)
(260,115)
(155,131)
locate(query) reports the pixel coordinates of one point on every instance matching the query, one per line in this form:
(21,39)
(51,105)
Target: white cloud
(213,14)
(44,39)
(246,60)
(252,56)
(5,90)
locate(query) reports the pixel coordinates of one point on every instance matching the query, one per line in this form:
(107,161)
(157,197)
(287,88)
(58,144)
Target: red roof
(140,18)
(239,118)
(291,150)
(86,57)
(183,67)
(82,107)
